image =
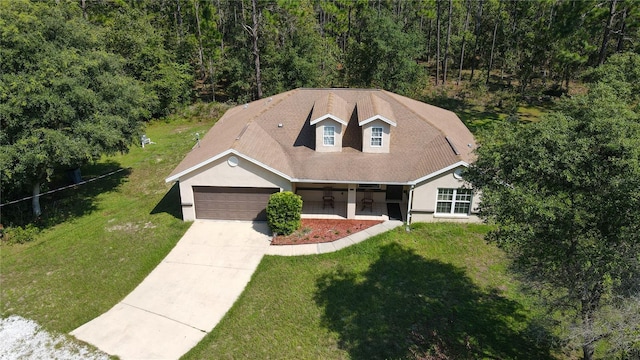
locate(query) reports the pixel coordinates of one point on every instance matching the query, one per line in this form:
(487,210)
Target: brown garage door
(231,203)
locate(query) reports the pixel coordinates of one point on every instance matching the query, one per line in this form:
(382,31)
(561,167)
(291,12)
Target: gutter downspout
(407,228)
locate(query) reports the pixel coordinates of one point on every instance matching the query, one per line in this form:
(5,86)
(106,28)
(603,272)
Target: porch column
(351,201)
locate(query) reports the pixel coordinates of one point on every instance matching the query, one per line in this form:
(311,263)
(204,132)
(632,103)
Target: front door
(394,192)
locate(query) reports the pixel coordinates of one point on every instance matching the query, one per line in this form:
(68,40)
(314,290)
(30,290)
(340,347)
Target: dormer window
(375,117)
(329,136)
(329,116)
(376,136)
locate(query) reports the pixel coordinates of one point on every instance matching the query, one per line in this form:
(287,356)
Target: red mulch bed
(315,231)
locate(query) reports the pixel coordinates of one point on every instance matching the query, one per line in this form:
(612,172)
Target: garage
(231,203)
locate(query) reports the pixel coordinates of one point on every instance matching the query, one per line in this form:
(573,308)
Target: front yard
(439,289)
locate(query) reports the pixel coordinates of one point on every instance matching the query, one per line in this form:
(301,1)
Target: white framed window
(329,136)
(454,201)
(376,136)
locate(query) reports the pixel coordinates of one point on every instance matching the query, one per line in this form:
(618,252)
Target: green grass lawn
(438,289)
(99,240)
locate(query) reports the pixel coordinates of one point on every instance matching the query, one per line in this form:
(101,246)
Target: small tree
(283,212)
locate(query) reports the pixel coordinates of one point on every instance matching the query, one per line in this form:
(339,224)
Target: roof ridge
(379,107)
(330,105)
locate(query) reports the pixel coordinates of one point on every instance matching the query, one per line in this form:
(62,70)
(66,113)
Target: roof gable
(330,106)
(372,108)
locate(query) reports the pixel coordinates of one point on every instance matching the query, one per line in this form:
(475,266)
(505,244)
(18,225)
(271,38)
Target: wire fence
(64,187)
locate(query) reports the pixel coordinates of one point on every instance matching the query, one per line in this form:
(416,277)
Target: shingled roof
(276,133)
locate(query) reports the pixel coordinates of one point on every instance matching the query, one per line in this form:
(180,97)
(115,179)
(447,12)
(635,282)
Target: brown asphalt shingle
(331,104)
(372,105)
(418,144)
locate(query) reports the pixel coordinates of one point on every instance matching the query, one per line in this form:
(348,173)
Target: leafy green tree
(570,43)
(622,73)
(563,194)
(335,21)
(384,54)
(233,55)
(130,34)
(236,68)
(294,54)
(64,100)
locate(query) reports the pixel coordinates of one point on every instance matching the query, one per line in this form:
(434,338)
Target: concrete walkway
(185,296)
(190,291)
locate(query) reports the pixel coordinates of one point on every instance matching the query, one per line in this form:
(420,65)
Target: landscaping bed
(313,231)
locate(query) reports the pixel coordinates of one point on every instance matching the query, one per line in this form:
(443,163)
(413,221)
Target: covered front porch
(353,201)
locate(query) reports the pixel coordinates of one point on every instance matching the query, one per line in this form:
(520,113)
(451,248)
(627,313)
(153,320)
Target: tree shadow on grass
(405,306)
(72,201)
(170,203)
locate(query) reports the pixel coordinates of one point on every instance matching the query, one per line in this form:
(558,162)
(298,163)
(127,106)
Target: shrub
(20,235)
(283,212)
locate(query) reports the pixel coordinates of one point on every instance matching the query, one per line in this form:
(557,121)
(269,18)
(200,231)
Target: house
(372,153)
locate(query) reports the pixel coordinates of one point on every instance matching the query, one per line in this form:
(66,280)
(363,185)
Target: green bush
(283,212)
(20,235)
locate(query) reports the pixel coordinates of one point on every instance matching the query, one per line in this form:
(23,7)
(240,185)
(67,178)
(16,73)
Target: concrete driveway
(185,296)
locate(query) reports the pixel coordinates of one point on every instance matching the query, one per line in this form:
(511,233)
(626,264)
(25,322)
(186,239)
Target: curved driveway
(185,296)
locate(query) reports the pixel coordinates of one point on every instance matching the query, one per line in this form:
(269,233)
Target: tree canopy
(395,44)
(563,193)
(65,100)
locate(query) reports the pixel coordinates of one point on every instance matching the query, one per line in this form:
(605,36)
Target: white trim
(410,206)
(177,176)
(453,201)
(376,117)
(328,116)
(307,181)
(438,172)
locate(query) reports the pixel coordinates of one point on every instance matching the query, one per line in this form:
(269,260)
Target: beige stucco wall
(425,196)
(366,137)
(220,173)
(320,136)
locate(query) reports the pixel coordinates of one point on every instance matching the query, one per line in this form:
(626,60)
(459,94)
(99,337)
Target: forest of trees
(240,50)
